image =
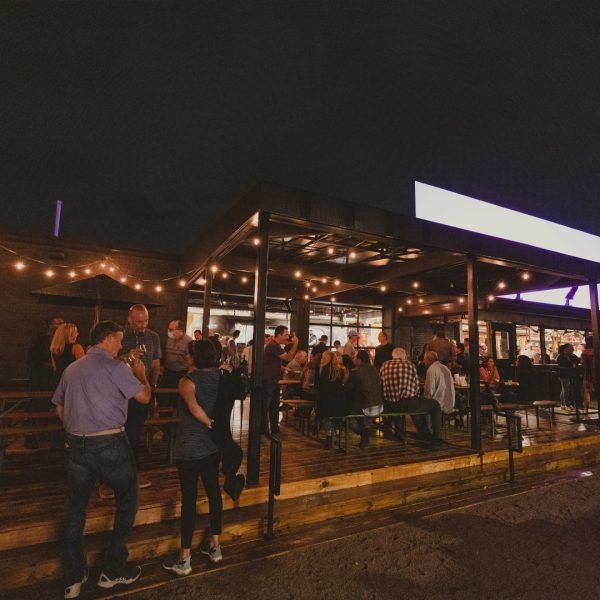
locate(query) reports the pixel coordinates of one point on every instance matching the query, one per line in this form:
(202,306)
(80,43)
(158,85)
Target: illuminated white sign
(448,208)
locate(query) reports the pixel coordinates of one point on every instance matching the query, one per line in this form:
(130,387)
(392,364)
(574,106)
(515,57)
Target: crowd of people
(103,394)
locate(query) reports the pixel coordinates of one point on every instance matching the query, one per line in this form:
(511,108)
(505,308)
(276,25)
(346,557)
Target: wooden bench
(301,420)
(344,420)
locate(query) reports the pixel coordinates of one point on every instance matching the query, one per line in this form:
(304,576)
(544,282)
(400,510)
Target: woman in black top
(527,380)
(330,395)
(197,455)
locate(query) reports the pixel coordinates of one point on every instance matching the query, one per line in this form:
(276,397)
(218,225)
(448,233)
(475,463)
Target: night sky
(149,119)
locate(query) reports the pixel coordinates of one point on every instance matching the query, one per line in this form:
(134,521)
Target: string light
(525,276)
(19,265)
(87,271)
(314,290)
(306,297)
(214,268)
(298,274)
(103,265)
(182,283)
(336,282)
(72,274)
(158,288)
(383,288)
(123,279)
(111,269)
(330,250)
(256,241)
(224,275)
(307,284)
(501,285)
(415,284)
(491,297)
(49,273)
(400,309)
(324,280)
(244,279)
(138,286)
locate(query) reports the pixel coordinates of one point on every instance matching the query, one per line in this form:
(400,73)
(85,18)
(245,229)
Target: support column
(595,318)
(208,281)
(473,313)
(299,322)
(258,350)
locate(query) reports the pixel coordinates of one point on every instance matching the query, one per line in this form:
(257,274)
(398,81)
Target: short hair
(102,330)
(323,338)
(364,357)
(399,353)
(137,308)
(384,334)
(431,355)
(236,333)
(203,353)
(198,331)
(337,343)
(460,346)
(179,324)
(279,330)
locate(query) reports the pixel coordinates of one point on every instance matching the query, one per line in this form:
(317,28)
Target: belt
(113,431)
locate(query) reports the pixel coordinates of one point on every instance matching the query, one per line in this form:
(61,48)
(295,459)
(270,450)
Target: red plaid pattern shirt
(399,380)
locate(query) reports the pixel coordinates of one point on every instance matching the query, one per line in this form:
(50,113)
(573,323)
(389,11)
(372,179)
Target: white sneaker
(130,574)
(73,590)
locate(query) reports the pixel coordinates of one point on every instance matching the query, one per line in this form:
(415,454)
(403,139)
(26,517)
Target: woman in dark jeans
(197,455)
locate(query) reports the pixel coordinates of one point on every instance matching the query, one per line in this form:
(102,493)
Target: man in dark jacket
(383,352)
(364,394)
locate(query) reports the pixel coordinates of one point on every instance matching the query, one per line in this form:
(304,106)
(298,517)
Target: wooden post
(208,280)
(299,322)
(473,310)
(258,350)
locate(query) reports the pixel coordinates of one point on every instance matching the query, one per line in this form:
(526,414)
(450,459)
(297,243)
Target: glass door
(503,348)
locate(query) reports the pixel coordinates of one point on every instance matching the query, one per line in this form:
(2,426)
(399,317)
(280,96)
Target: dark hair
(198,331)
(347,362)
(279,330)
(323,338)
(102,330)
(179,324)
(236,333)
(202,353)
(384,334)
(364,357)
(460,346)
(524,362)
(589,341)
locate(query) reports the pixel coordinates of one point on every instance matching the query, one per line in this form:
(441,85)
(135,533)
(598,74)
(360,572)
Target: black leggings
(208,469)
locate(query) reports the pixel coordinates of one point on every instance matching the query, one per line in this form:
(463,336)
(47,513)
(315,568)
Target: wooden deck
(317,485)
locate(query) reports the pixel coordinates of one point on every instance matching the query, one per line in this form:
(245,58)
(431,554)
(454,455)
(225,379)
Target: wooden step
(249,523)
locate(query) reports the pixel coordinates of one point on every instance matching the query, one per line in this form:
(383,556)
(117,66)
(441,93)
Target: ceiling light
(306,297)
(111,269)
(461,299)
(352,255)
(330,250)
(525,276)
(409,301)
(314,290)
(19,265)
(420,300)
(224,275)
(333,298)
(501,285)
(336,282)
(158,288)
(49,273)
(256,241)
(72,274)
(383,288)
(214,268)
(298,274)
(123,279)
(182,283)
(491,297)
(415,284)
(244,279)
(87,271)
(324,280)
(138,286)
(400,309)
(103,265)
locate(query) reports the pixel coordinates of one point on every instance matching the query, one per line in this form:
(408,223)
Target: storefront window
(502,342)
(555,338)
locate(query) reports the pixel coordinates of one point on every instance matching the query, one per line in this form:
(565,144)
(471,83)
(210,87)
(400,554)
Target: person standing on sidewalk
(143,344)
(92,401)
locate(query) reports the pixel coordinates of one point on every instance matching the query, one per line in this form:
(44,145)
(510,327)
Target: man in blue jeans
(92,401)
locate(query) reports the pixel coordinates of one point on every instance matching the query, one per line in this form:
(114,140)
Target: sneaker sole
(214,561)
(178,571)
(111,583)
(77,583)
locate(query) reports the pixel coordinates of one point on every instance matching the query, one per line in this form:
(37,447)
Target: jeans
(107,458)
(136,416)
(417,404)
(565,392)
(208,469)
(271,404)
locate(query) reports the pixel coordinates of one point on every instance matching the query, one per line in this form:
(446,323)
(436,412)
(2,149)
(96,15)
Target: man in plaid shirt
(401,394)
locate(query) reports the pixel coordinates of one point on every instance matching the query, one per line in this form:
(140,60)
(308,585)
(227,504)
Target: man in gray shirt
(92,401)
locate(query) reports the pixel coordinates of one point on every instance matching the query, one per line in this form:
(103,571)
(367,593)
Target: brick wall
(25,316)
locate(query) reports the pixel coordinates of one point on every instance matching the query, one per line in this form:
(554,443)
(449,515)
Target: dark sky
(148,119)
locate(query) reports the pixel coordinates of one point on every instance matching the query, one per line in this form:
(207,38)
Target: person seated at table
(488,374)
(294,371)
(364,395)
(526,378)
(330,395)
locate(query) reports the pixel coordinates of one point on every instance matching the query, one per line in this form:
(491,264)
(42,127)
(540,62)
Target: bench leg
(537,416)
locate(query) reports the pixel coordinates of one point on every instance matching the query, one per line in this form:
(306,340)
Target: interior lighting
(72,274)
(330,250)
(409,301)
(256,241)
(123,279)
(491,297)
(138,286)
(19,265)
(201,281)
(525,276)
(111,269)
(87,270)
(182,283)
(298,274)
(383,288)
(336,282)
(400,309)
(501,285)
(244,279)
(415,284)
(49,273)
(352,255)
(324,280)
(333,298)
(224,275)
(420,300)
(214,268)
(158,288)
(307,284)
(461,300)
(314,290)
(306,297)
(103,265)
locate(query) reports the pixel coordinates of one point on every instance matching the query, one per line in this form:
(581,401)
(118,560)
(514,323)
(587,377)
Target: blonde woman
(330,397)
(64,350)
